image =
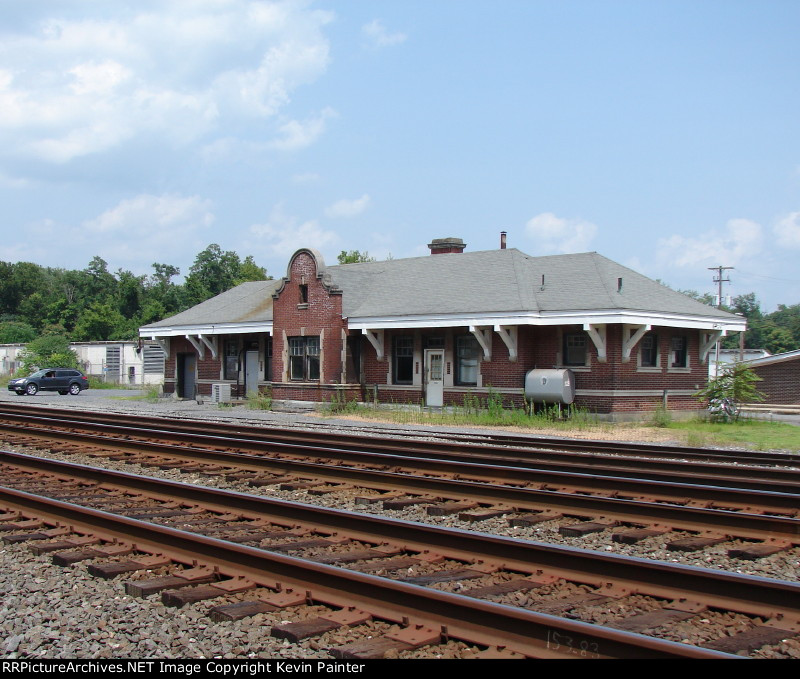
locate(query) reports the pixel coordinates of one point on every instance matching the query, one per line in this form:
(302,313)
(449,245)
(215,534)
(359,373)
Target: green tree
(130,289)
(100,321)
(213,272)
(702,297)
(101,284)
(354,257)
(250,271)
(48,351)
(16,332)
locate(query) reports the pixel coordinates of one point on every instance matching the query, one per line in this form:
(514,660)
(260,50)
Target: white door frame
(434,377)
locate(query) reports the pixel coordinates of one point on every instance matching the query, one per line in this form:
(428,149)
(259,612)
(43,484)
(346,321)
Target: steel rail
(456,616)
(750,595)
(757,519)
(749,478)
(499,443)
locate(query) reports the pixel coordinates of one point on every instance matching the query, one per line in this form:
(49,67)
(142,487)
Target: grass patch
(475,410)
(152,392)
(746,433)
(96,383)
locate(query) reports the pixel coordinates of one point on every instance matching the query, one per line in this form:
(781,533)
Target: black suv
(62,380)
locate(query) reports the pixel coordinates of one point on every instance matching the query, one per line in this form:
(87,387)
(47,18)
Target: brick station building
(435,329)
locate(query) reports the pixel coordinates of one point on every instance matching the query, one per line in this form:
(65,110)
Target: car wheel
(31,389)
(20,393)
(74,389)
(63,392)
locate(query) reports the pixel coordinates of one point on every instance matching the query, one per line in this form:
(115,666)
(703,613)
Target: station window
(648,351)
(575,349)
(403,359)
(679,356)
(467,356)
(304,358)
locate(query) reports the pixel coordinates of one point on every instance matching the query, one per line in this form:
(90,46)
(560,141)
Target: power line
(771,278)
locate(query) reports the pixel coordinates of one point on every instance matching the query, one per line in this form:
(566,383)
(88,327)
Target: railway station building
(448,326)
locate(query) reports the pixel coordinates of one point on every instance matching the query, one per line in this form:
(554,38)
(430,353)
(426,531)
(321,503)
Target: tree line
(94,304)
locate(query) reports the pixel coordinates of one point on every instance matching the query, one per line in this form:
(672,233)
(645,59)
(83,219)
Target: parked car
(62,380)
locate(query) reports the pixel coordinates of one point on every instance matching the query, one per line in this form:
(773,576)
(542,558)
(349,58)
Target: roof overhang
(777,358)
(578,317)
(206,329)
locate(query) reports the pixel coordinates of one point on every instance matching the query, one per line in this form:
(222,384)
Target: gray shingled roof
(468,282)
(246,303)
(503,281)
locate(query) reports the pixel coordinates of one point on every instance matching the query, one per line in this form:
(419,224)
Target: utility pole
(719,280)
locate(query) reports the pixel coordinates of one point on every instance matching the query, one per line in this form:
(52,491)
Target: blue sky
(662,134)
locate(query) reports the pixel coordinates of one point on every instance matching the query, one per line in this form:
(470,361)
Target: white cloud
(787,230)
(145,229)
(283,234)
(299,135)
(171,70)
(149,215)
(377,35)
(305,178)
(740,239)
(348,208)
(556,234)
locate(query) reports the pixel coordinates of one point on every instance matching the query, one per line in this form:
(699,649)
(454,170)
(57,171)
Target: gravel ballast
(46,615)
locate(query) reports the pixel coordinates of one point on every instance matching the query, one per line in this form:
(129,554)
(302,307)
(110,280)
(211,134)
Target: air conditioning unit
(220,393)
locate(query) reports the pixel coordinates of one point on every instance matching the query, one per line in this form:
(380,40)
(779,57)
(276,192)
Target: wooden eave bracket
(484,337)
(706,346)
(636,333)
(509,334)
(375,338)
(597,333)
(163,342)
(201,350)
(211,343)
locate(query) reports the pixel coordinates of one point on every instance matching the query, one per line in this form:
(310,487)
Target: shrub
(661,417)
(735,382)
(260,400)
(49,351)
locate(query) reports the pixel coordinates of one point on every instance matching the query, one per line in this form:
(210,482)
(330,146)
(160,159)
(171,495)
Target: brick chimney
(503,240)
(444,246)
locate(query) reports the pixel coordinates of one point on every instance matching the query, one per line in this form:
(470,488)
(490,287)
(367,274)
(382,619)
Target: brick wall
(609,387)
(311,311)
(780,382)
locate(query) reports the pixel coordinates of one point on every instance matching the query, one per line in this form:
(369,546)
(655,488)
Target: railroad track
(689,516)
(421,585)
(773,476)
(421,443)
